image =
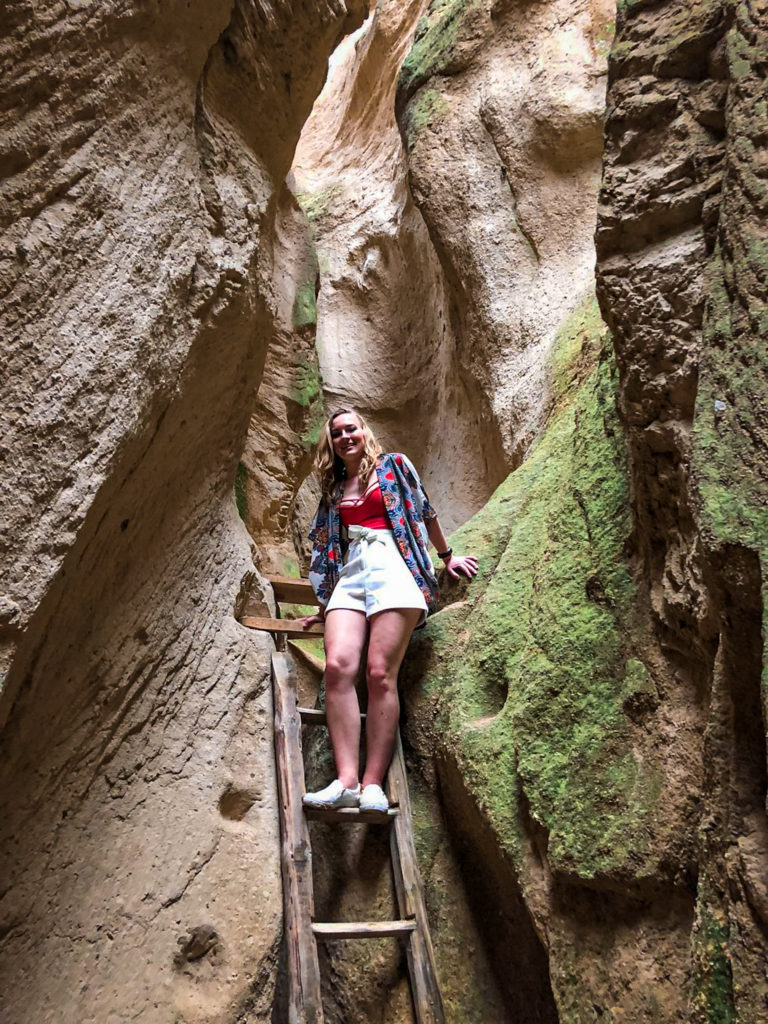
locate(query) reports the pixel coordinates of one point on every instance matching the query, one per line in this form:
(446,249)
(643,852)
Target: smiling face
(348,449)
(347,437)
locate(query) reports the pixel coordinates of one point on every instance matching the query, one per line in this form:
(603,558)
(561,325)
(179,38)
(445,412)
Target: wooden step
(293,591)
(363,929)
(285,627)
(312,662)
(351,815)
(314,716)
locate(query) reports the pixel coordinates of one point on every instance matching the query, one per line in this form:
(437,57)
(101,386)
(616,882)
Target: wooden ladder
(301,929)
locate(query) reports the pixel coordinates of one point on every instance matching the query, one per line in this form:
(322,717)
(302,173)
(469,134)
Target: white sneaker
(374,798)
(334,795)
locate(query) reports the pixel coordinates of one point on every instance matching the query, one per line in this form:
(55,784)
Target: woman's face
(347,436)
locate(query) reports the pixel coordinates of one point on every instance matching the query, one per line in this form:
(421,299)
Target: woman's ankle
(372,781)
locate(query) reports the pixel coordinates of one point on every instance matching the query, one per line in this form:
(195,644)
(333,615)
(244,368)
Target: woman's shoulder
(401,460)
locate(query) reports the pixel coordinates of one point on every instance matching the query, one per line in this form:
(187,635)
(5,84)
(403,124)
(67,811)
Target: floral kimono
(408,510)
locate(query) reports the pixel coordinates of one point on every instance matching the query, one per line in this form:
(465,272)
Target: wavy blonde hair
(331,468)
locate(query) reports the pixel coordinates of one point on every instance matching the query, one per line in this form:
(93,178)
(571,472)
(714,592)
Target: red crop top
(367,511)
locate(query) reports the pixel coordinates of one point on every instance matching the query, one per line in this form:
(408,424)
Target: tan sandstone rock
(144,151)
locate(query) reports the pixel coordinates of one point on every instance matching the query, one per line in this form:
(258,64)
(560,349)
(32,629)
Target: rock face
(385,342)
(288,414)
(531,698)
(585,722)
(501,110)
(680,258)
(449,256)
(139,834)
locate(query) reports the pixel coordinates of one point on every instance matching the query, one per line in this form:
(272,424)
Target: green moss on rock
(241,501)
(712,990)
(730,435)
(309,383)
(604,37)
(435,41)
(422,113)
(305,306)
(728,418)
(531,679)
(317,205)
(309,394)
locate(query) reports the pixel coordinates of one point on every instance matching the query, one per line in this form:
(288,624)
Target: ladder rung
(363,929)
(313,716)
(351,815)
(287,627)
(293,591)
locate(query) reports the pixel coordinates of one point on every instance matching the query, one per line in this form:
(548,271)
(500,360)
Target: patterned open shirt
(408,510)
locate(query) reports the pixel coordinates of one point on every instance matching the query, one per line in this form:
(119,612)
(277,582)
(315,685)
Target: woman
(385,589)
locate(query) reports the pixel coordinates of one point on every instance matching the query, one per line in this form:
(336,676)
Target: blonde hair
(330,467)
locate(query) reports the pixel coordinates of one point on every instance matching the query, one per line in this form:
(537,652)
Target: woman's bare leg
(390,633)
(345,633)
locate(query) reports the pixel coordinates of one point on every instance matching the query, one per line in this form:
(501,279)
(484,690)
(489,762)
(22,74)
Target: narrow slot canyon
(526,240)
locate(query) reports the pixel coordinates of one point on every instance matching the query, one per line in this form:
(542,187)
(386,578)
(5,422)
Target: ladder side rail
(427,1001)
(305,1001)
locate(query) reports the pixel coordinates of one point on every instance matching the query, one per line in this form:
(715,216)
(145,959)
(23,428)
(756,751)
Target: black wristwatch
(445,554)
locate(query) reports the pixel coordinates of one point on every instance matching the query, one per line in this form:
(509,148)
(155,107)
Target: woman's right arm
(318,564)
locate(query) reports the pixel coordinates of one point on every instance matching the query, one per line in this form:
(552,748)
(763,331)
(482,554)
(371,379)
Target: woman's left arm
(465,565)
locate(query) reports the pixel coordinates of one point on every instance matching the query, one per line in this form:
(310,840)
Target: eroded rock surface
(585,723)
(532,692)
(501,109)
(138,218)
(385,341)
(435,316)
(680,255)
(288,413)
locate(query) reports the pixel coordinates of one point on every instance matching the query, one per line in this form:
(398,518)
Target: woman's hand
(457,565)
(461,565)
(310,620)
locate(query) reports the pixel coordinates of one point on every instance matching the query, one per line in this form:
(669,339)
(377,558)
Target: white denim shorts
(375,578)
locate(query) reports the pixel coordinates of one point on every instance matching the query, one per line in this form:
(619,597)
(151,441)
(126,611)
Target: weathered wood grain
(293,591)
(362,929)
(286,627)
(428,1004)
(304,1000)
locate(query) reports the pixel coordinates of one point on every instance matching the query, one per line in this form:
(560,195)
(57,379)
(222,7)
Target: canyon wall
(386,344)
(453,240)
(591,710)
(145,150)
(500,106)
(186,282)
(681,268)
(288,413)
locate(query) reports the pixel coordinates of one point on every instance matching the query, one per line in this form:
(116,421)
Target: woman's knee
(341,666)
(380,676)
